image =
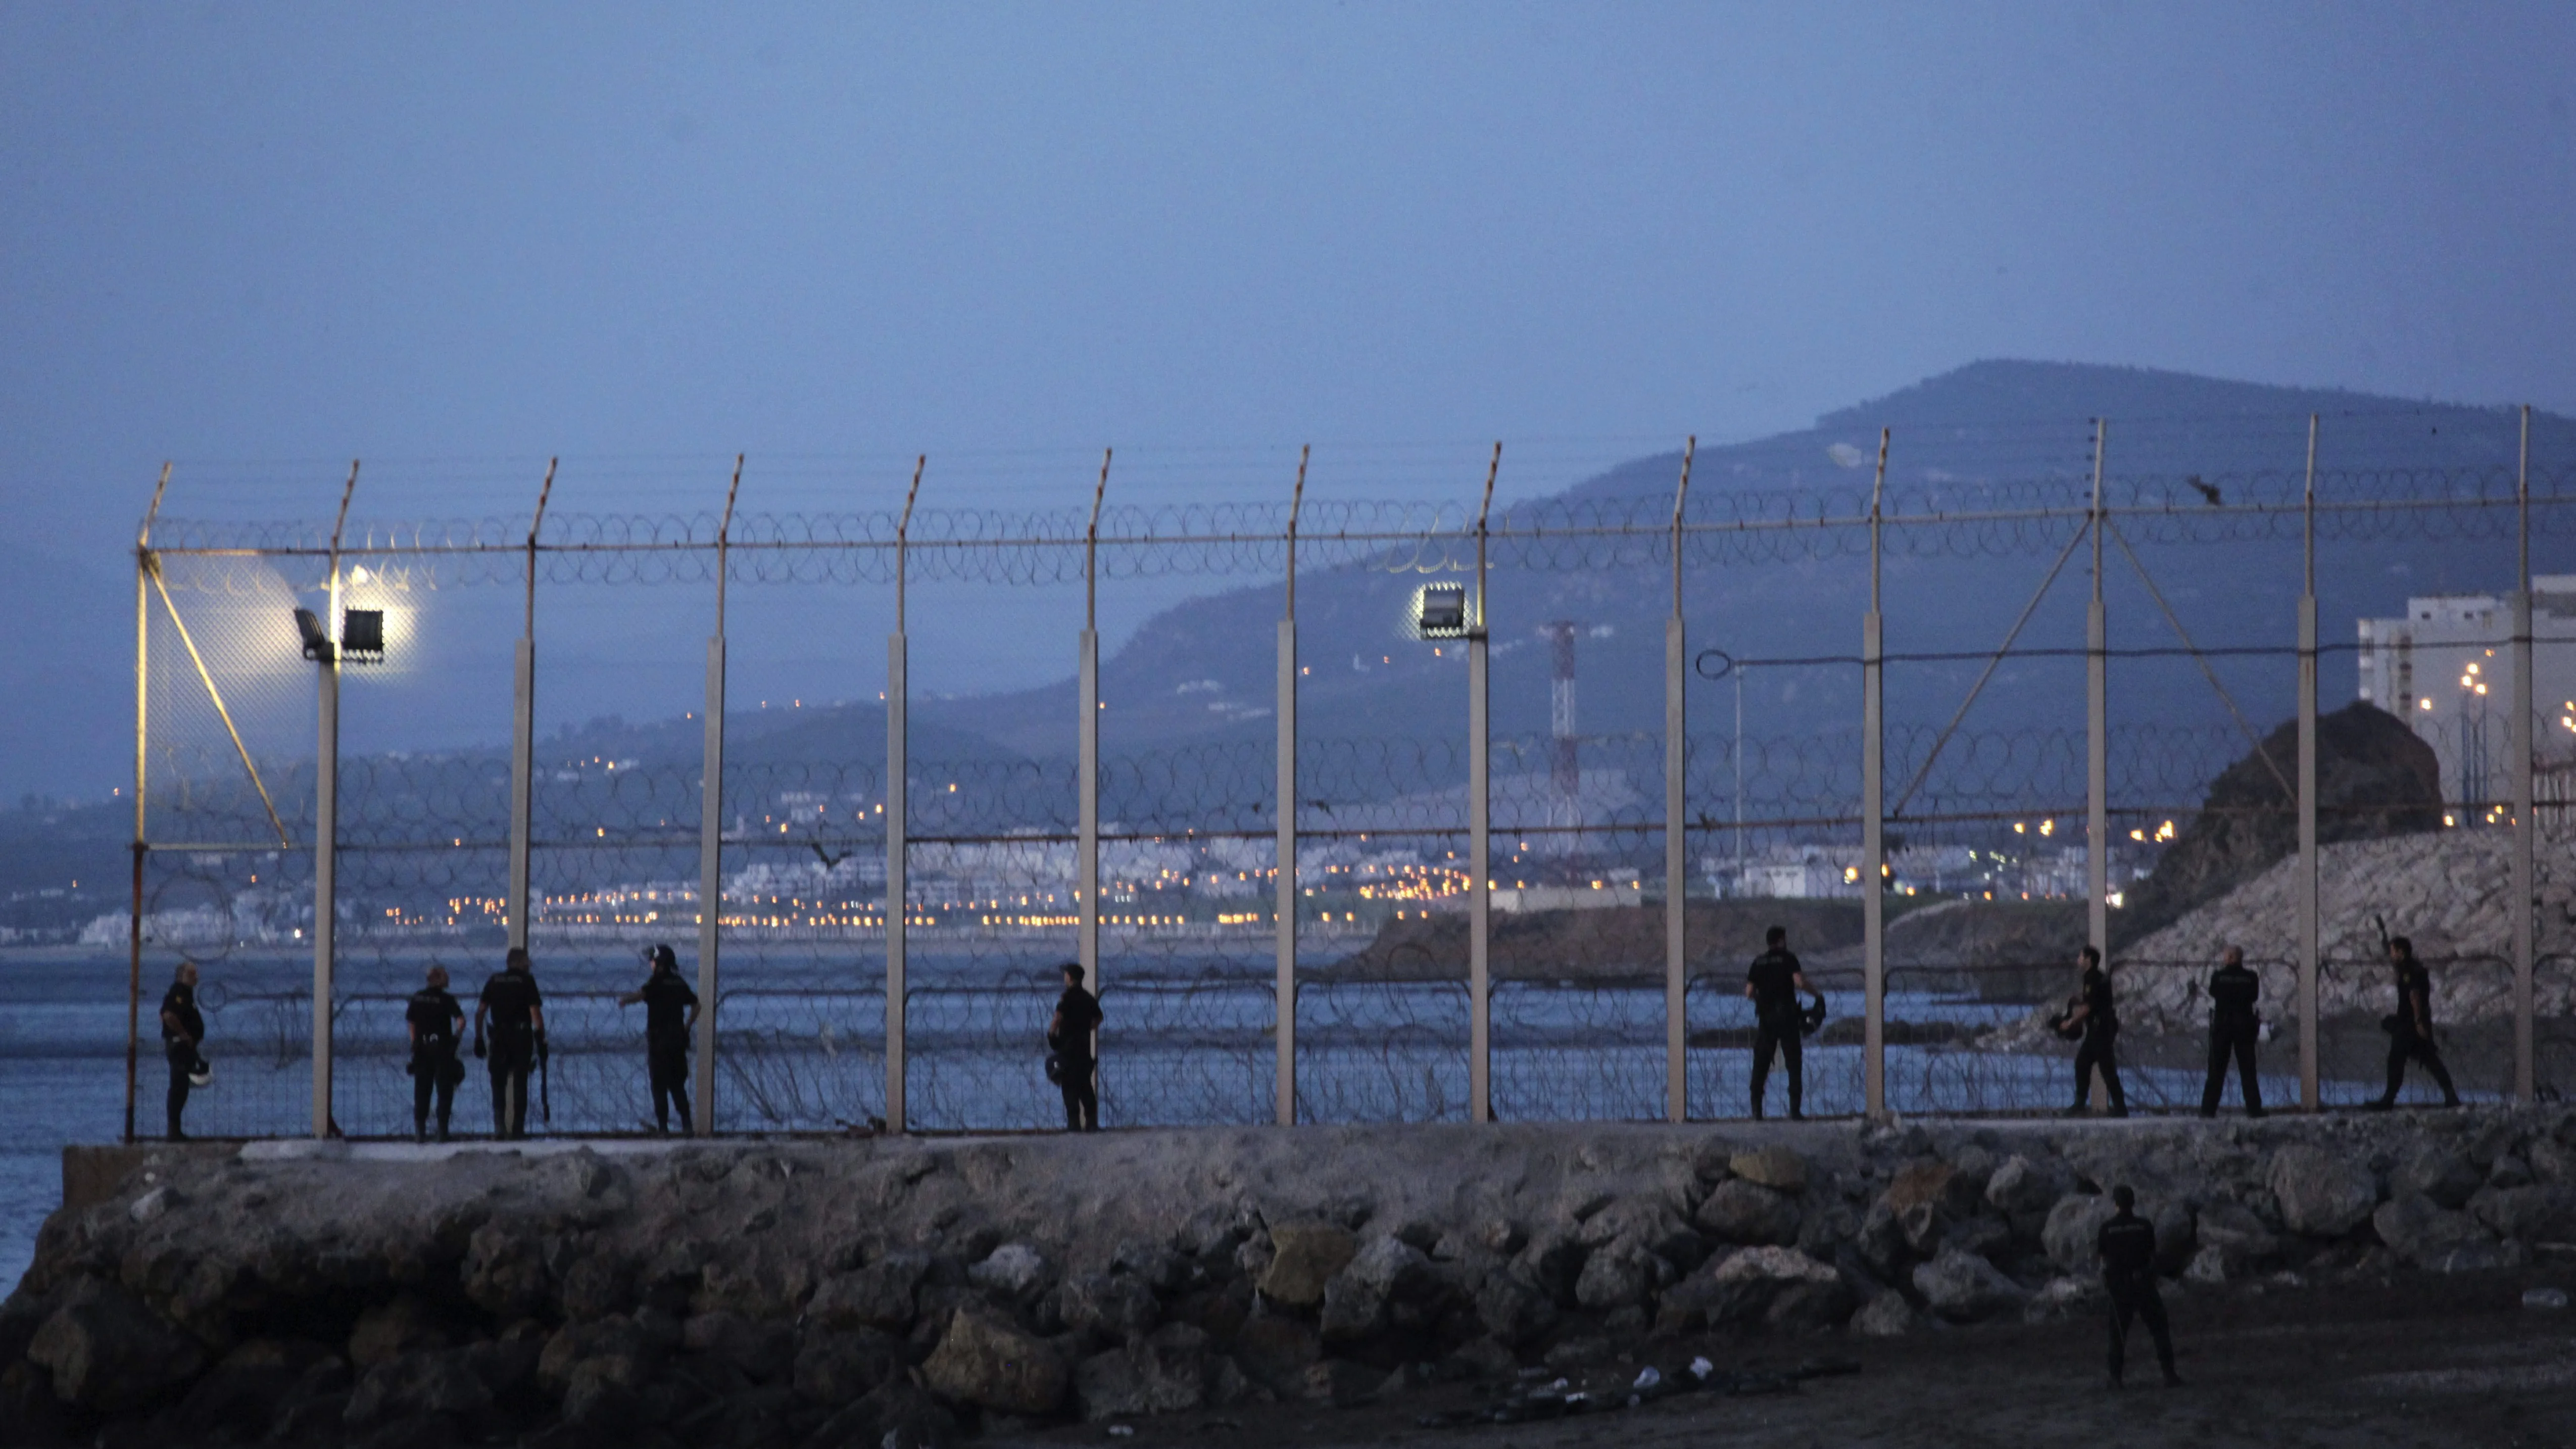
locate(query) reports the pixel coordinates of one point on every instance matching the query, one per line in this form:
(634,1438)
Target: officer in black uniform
(1070,1035)
(1772,984)
(2127,1244)
(2410,1031)
(2101,1025)
(2233,1030)
(670,1014)
(516,1014)
(183,1031)
(436,1024)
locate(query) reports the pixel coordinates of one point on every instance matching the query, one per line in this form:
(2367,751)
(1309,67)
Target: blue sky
(309,232)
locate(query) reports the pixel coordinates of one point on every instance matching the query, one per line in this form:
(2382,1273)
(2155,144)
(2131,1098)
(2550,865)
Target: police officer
(2100,1023)
(2410,1031)
(516,1013)
(1772,984)
(2127,1244)
(2233,1030)
(436,1024)
(1071,1035)
(670,1014)
(183,1031)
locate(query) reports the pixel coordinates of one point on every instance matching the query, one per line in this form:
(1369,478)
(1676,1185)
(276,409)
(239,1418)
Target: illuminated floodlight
(317,640)
(1440,611)
(362,635)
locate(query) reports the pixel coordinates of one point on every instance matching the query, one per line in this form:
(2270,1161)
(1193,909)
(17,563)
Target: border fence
(1375,895)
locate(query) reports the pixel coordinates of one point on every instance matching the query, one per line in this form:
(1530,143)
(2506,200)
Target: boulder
(880,1295)
(1342,1383)
(2237,1238)
(1554,1261)
(2062,1298)
(1358,1299)
(2024,1188)
(985,1361)
(837,1366)
(1013,1270)
(1512,1309)
(234,1400)
(389,1330)
(1276,1351)
(1963,1288)
(1922,1225)
(1932,1181)
(2551,1161)
(761,1350)
(1886,1316)
(1984,1236)
(2437,1171)
(2208,1265)
(895,1416)
(2321,1194)
(1165,1373)
(1779,1286)
(2431,1236)
(1777,1168)
(1112,1305)
(2175,1238)
(1740,1210)
(1158,1268)
(110,1354)
(616,1349)
(1303,1258)
(2534,1214)
(505,1272)
(2074,1226)
(416,1385)
(1615,1277)
(2509,1171)
(1881,1241)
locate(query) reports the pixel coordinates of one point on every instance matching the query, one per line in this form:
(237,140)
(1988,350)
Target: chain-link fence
(2092,683)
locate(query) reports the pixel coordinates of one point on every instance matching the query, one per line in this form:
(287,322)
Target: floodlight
(362,634)
(317,641)
(1440,611)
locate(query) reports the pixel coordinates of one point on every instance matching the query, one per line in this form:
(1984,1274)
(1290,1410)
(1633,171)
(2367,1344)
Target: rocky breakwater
(907,1292)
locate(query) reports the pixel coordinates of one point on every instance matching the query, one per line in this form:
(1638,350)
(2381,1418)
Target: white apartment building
(2445,669)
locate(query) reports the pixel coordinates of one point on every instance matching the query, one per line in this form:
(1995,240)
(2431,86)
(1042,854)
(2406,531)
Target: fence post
(2097,746)
(898,805)
(1480,811)
(1873,786)
(143,566)
(2519,739)
(1087,787)
(1285,877)
(711,830)
(2311,953)
(1676,830)
(523,735)
(326,827)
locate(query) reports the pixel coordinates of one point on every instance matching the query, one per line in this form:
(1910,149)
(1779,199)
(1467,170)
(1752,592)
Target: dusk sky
(314,232)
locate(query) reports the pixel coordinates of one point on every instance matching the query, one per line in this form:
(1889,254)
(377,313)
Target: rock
(879,1295)
(1112,1305)
(2551,1162)
(2545,1300)
(985,1361)
(836,1366)
(2321,1194)
(110,1354)
(1481,1358)
(2022,1188)
(2073,1227)
(1984,1236)
(1163,1374)
(505,1273)
(1358,1299)
(1976,1164)
(1886,1316)
(1741,1210)
(1554,1261)
(1780,1286)
(28,1407)
(1276,1351)
(1615,1277)
(2061,1298)
(1014,1270)
(1577,1354)
(1964,1288)
(2239,1236)
(1777,1168)
(1922,1225)
(151,1205)
(417,1385)
(2437,1171)
(616,1349)
(2209,1265)
(2431,1236)
(2509,1172)
(2175,1237)
(234,1400)
(1342,1383)
(896,1416)
(1931,1181)
(1513,1309)
(2532,1214)
(1158,1268)
(1881,1241)
(761,1350)
(390,1330)
(597,1286)
(1303,1258)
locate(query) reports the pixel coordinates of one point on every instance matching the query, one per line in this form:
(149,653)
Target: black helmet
(660,958)
(1811,1019)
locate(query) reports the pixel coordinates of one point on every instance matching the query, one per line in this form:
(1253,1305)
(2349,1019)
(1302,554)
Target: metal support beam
(326,830)
(898,922)
(711,831)
(1284,878)
(2519,739)
(1873,816)
(143,569)
(1087,784)
(523,735)
(2311,943)
(1676,829)
(2097,747)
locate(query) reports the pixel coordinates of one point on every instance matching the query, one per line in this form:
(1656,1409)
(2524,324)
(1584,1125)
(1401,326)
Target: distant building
(2446,670)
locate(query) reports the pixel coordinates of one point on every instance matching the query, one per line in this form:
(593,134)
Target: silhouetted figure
(1772,984)
(183,1033)
(2234,1028)
(2410,1031)
(516,1014)
(436,1024)
(2100,1023)
(1071,1037)
(670,1013)
(2127,1244)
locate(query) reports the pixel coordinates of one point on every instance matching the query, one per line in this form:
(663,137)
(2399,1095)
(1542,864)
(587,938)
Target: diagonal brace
(2287,789)
(153,564)
(1992,664)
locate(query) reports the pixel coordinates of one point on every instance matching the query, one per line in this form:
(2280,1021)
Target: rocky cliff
(904,1292)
